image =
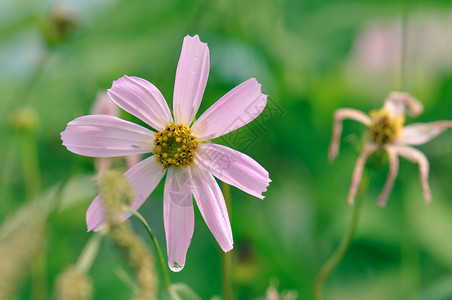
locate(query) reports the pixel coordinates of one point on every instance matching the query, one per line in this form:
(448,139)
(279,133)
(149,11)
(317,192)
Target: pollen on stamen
(175,146)
(385,128)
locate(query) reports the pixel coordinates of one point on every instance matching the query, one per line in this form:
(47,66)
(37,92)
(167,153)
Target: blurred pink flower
(178,148)
(104,106)
(378,44)
(386,131)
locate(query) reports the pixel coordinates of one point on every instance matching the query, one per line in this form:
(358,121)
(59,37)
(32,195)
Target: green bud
(25,119)
(59,26)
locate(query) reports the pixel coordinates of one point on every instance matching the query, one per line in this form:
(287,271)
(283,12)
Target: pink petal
(417,156)
(237,108)
(106,136)
(393,170)
(143,178)
(142,99)
(339,116)
(191,79)
(421,133)
(178,216)
(234,168)
(358,171)
(398,101)
(211,204)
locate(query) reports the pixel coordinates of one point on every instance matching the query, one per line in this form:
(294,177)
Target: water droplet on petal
(176,267)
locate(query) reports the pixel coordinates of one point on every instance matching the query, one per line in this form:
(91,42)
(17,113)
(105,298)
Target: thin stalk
(32,179)
(337,256)
(38,269)
(227,287)
(403,80)
(30,165)
(158,251)
(89,253)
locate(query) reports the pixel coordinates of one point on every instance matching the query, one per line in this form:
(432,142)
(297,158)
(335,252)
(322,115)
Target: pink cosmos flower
(386,131)
(180,149)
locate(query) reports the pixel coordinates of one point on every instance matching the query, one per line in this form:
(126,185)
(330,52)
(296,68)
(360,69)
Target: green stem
(158,251)
(32,179)
(38,272)
(337,256)
(403,80)
(227,287)
(30,165)
(89,253)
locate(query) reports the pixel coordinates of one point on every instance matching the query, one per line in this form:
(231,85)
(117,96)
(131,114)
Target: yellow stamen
(385,128)
(174,146)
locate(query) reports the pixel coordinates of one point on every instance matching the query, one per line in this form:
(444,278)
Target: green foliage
(304,54)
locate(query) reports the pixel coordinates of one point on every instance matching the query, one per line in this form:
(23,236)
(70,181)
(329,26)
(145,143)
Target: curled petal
(191,79)
(211,204)
(421,133)
(106,136)
(339,116)
(178,216)
(143,178)
(234,168)
(237,108)
(398,101)
(142,99)
(393,170)
(417,156)
(358,171)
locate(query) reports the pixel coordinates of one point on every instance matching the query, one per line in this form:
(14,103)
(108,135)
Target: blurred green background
(311,57)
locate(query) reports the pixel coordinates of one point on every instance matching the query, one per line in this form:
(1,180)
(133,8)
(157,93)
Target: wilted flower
(178,147)
(386,131)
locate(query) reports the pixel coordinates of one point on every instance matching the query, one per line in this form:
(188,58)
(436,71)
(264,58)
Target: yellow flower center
(385,128)
(174,146)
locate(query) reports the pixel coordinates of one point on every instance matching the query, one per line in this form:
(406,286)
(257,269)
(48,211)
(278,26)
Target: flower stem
(89,253)
(32,180)
(337,256)
(158,251)
(30,165)
(227,289)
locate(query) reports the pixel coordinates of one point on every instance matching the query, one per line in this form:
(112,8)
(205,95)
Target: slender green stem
(403,80)
(89,253)
(38,272)
(337,256)
(158,251)
(32,179)
(227,287)
(30,165)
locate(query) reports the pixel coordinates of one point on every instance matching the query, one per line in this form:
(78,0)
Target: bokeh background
(311,57)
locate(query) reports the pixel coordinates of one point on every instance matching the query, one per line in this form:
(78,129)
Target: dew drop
(176,267)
